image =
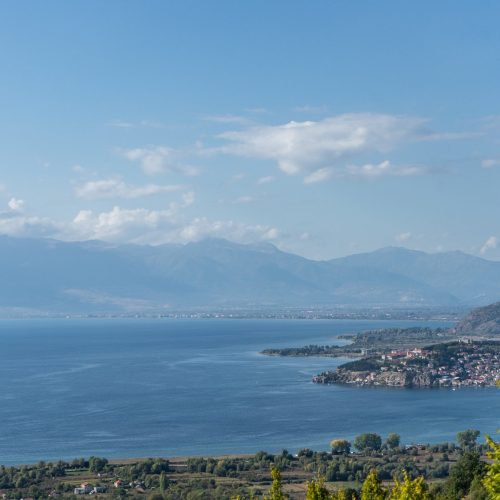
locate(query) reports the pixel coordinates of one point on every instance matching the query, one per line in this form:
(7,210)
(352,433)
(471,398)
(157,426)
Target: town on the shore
(467,362)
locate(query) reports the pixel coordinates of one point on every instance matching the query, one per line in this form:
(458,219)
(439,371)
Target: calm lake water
(120,388)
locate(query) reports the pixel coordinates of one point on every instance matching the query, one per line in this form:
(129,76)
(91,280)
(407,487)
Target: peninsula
(455,364)
(467,354)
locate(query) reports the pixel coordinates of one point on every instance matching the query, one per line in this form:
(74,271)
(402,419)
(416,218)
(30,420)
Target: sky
(323,127)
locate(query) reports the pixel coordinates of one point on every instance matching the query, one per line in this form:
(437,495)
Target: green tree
(372,488)
(477,490)
(393,440)
(468,467)
(276,491)
(340,447)
(492,479)
(163,482)
(97,464)
(368,442)
(467,440)
(409,489)
(316,490)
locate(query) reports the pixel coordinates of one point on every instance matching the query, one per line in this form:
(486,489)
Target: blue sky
(324,127)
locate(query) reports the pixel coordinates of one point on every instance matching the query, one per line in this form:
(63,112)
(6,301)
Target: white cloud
(155,160)
(402,237)
(201,228)
(16,205)
(490,244)
(490,163)
(266,180)
(137,225)
(385,168)
(15,223)
(154,227)
(117,188)
(305,147)
(319,175)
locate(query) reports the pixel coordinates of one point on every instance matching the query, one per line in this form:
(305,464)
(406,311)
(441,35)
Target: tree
(372,488)
(393,440)
(368,442)
(97,464)
(276,491)
(467,439)
(163,482)
(316,490)
(468,467)
(409,489)
(340,447)
(492,479)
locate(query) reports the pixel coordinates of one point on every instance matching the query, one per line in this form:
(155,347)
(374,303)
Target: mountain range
(92,276)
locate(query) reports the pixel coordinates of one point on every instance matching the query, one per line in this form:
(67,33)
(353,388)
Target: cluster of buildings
(469,365)
(88,489)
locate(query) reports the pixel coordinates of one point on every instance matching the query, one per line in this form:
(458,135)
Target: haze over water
(133,388)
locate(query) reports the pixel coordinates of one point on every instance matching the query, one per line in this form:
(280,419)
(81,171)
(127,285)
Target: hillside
(481,321)
(50,275)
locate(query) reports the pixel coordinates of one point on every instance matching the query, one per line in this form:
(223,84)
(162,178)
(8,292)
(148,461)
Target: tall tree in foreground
(409,489)
(492,480)
(372,488)
(276,491)
(316,490)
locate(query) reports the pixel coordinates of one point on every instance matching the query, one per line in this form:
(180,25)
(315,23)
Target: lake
(137,388)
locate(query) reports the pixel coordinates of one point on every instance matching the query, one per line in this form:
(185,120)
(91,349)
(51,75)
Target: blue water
(119,388)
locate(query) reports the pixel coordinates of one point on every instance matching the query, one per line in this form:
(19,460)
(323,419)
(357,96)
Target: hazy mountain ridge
(91,276)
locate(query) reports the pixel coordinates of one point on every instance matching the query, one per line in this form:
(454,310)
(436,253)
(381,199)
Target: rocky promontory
(369,378)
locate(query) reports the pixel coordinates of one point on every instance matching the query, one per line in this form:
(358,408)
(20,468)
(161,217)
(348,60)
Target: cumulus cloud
(155,160)
(490,244)
(155,227)
(306,147)
(137,225)
(117,188)
(14,222)
(16,204)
